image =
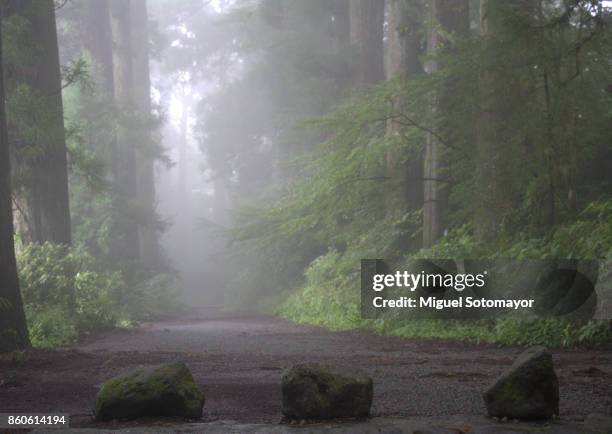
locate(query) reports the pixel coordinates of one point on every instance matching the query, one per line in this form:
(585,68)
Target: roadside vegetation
(67,295)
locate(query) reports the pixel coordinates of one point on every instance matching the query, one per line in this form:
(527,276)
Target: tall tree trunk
(146,157)
(446,17)
(403,50)
(97,39)
(127,175)
(366,37)
(487,211)
(341,25)
(184,219)
(13,329)
(47,190)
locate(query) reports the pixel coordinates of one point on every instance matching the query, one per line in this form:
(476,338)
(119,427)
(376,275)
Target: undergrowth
(330,296)
(66,294)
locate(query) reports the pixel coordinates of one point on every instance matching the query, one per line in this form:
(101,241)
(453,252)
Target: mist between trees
(250,153)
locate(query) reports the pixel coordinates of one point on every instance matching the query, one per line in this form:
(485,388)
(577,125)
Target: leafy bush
(330,296)
(64,293)
(152,296)
(96,299)
(589,236)
(327,299)
(46,274)
(50,326)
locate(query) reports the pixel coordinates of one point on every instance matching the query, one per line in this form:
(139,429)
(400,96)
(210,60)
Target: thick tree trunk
(487,211)
(142,94)
(342,26)
(403,50)
(446,17)
(47,190)
(98,41)
(127,175)
(366,38)
(13,329)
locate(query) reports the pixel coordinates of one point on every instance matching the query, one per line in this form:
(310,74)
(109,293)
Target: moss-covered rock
(314,391)
(168,390)
(529,389)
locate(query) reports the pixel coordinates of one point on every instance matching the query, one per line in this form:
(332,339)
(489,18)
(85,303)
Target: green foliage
(65,294)
(96,300)
(556,333)
(328,297)
(313,306)
(50,327)
(47,273)
(336,201)
(153,296)
(524,147)
(459,243)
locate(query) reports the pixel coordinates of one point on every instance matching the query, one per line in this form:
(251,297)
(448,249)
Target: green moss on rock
(529,389)
(168,390)
(313,391)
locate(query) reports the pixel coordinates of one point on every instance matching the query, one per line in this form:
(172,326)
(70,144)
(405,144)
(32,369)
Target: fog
(253,151)
(227,118)
(192,191)
(336,215)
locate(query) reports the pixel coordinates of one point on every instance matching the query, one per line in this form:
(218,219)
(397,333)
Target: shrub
(330,296)
(64,294)
(152,296)
(96,299)
(50,326)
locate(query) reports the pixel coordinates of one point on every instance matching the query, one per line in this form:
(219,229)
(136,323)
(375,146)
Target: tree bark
(403,50)
(127,176)
(403,47)
(486,209)
(366,38)
(446,17)
(97,39)
(341,26)
(149,247)
(13,329)
(98,42)
(47,196)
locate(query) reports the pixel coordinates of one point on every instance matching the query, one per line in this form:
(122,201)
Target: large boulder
(314,391)
(529,389)
(168,390)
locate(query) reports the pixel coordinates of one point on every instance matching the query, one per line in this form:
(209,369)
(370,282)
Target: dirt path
(238,361)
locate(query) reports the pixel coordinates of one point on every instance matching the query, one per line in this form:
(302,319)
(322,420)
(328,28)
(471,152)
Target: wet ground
(238,361)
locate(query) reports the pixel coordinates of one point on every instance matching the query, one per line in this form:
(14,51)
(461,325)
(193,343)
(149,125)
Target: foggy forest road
(238,361)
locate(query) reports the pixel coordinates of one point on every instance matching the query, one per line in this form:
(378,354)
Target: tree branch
(413,123)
